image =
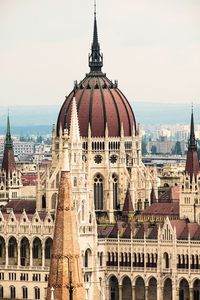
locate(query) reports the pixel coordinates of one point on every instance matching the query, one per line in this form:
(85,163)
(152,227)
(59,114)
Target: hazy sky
(151,46)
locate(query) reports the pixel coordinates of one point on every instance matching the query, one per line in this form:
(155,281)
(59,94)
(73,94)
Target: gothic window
(11,247)
(2,246)
(36,248)
(1,292)
(83,212)
(139,205)
(115,192)
(98,192)
(37,293)
(24,292)
(12,292)
(53,201)
(48,247)
(43,201)
(166,258)
(75,182)
(86,259)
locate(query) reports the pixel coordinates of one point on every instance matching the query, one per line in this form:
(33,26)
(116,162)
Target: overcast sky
(151,46)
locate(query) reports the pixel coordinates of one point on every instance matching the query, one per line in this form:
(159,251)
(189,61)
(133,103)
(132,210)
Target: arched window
(53,201)
(24,292)
(37,292)
(87,258)
(82,212)
(12,292)
(1,291)
(166,258)
(115,191)
(43,201)
(24,252)
(2,247)
(98,192)
(37,248)
(48,248)
(75,181)
(12,246)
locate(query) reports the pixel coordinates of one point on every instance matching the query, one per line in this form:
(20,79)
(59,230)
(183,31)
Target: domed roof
(99,102)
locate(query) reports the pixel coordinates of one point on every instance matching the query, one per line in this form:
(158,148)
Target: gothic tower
(65,269)
(190,185)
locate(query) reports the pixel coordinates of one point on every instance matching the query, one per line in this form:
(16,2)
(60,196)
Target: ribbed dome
(99,101)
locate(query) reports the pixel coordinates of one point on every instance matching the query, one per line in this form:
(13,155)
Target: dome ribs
(91,103)
(127,115)
(97,123)
(117,111)
(103,103)
(129,111)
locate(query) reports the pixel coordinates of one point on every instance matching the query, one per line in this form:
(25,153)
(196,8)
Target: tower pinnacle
(8,139)
(95,58)
(192,141)
(8,163)
(192,162)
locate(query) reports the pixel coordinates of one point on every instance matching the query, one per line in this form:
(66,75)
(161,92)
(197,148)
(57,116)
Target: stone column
(107,292)
(146,293)
(160,292)
(6,249)
(120,292)
(133,293)
(191,293)
(43,255)
(31,254)
(175,292)
(18,256)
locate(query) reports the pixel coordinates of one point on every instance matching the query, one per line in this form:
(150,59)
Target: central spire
(95,58)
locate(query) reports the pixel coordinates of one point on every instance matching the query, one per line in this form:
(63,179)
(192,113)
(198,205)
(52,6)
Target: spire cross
(95,8)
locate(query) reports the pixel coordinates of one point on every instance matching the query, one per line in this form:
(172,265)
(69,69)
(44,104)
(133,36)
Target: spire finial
(95,58)
(95,8)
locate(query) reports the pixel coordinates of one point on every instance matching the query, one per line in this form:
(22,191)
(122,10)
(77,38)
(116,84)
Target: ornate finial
(95,58)
(95,8)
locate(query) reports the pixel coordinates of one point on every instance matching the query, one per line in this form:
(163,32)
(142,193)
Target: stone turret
(65,272)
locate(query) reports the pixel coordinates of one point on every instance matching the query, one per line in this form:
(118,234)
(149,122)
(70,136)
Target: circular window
(98,159)
(113,159)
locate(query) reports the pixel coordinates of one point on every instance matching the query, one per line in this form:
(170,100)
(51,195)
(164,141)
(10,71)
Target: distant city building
(19,147)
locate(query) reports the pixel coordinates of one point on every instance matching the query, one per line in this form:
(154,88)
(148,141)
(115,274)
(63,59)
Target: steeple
(192,141)
(192,162)
(8,139)
(95,58)
(8,163)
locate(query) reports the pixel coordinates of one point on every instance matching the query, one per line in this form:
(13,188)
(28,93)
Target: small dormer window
(49,220)
(24,220)
(12,220)
(0,219)
(36,220)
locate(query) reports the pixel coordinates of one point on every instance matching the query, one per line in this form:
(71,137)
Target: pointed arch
(98,191)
